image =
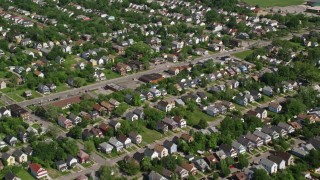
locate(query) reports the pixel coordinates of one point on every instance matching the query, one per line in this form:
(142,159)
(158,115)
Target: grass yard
(53,173)
(194,117)
(2,103)
(243,54)
(15,97)
(111,74)
(270,3)
(62,87)
(25,175)
(149,136)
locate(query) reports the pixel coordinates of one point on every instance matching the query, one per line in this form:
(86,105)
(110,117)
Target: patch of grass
(263,148)
(243,54)
(25,175)
(149,135)
(62,87)
(53,173)
(239,108)
(36,126)
(88,164)
(270,3)
(111,74)
(194,117)
(2,103)
(15,97)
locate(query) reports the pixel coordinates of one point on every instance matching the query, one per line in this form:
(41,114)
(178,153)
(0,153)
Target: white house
(269,165)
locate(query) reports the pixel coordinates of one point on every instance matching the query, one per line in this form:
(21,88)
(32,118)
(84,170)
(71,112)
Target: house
(190,167)
(202,165)
(274,134)
(269,165)
(82,177)
(3,84)
(75,119)
(181,172)
(114,102)
(116,144)
(43,89)
(11,176)
(83,157)
(105,147)
(161,150)
(212,111)
(264,137)
(126,141)
(287,127)
(162,127)
(186,137)
(275,107)
(242,100)
(99,109)
(37,171)
(172,125)
(109,107)
(9,159)
(27,94)
(5,112)
(155,92)
(66,103)
(71,161)
(104,128)
(11,140)
(115,124)
(18,111)
(23,136)
(229,105)
(139,112)
(182,123)
(135,137)
(122,68)
(96,132)
(27,150)
(246,143)
(299,152)
(288,158)
(238,147)
(282,132)
(165,106)
(20,156)
(228,150)
(130,116)
(267,90)
(239,176)
(64,122)
(211,159)
(38,74)
(151,153)
(171,146)
(179,102)
(61,165)
(280,162)
(256,140)
(156,176)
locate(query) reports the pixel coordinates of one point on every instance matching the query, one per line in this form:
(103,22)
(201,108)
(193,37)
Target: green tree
(107,172)
(146,164)
(260,174)
(203,124)
(130,167)
(243,161)
(89,146)
(225,171)
(75,132)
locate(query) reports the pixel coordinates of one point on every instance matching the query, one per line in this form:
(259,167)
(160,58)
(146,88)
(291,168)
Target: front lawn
(194,117)
(62,87)
(243,54)
(149,136)
(271,3)
(25,175)
(111,74)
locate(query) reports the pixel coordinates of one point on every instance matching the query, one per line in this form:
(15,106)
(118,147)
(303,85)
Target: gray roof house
(265,137)
(171,146)
(116,144)
(105,147)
